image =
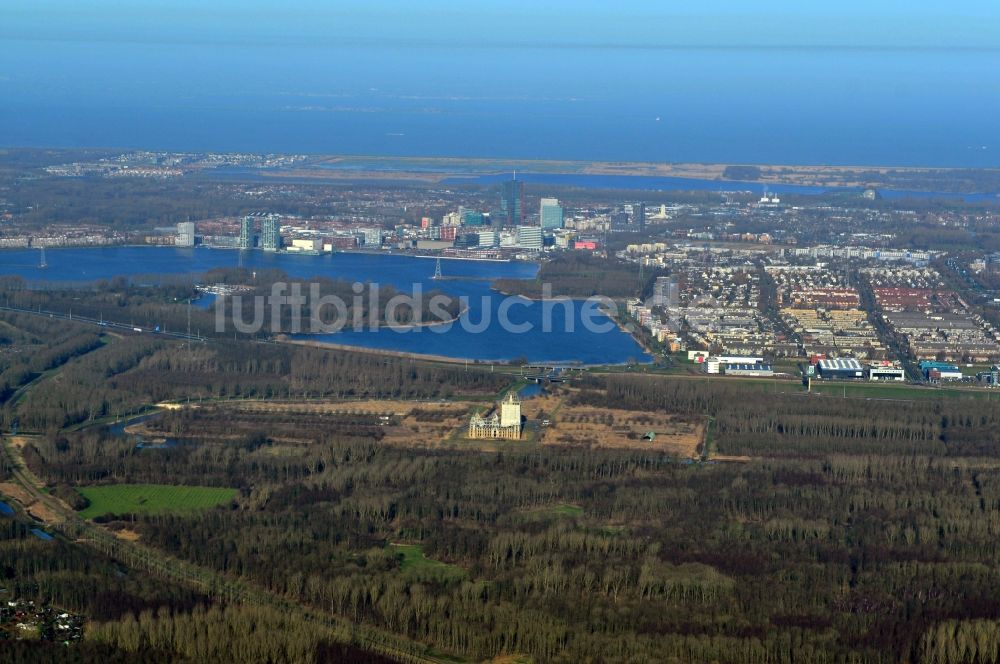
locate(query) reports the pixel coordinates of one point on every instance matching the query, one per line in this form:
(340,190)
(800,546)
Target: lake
(577,333)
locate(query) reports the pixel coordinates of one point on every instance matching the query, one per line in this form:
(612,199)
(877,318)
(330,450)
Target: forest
(815,528)
(579,275)
(161,301)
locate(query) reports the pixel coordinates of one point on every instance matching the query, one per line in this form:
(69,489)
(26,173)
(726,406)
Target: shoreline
(409,326)
(366,252)
(329,345)
(466,171)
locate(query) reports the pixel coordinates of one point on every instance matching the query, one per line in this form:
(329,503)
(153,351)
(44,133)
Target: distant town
(844,285)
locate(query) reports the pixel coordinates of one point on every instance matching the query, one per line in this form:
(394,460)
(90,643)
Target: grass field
(567,510)
(898,391)
(151,499)
(416,565)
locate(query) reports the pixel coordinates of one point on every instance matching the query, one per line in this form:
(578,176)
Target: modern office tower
(529,237)
(473,218)
(639,215)
(270,233)
(666,292)
(185,234)
(619,218)
(550,213)
(512,203)
(246,233)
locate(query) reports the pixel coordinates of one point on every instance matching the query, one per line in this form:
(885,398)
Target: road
(65,522)
(885,333)
(215,584)
(104,324)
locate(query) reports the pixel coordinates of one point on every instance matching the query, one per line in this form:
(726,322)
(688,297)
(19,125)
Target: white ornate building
(504,423)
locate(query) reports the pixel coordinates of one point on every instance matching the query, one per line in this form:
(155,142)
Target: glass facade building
(550,213)
(246,233)
(270,234)
(512,203)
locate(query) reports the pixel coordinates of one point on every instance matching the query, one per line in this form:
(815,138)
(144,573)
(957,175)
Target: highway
(213,583)
(63,521)
(107,324)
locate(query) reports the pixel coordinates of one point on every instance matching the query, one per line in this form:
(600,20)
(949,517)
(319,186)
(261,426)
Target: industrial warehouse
(749,370)
(840,368)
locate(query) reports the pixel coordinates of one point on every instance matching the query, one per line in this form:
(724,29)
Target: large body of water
(906,106)
(478,336)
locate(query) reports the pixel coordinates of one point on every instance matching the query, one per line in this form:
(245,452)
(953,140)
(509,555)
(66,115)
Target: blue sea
(865,106)
(577,332)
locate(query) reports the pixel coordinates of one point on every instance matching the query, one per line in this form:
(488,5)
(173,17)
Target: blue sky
(852,23)
(888,81)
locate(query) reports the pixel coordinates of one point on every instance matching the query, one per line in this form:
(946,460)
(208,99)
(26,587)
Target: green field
(417,566)
(567,510)
(890,390)
(151,499)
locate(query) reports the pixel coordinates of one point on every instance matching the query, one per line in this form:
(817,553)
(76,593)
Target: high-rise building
(529,237)
(619,218)
(185,234)
(639,215)
(246,233)
(512,203)
(666,292)
(473,218)
(550,213)
(270,233)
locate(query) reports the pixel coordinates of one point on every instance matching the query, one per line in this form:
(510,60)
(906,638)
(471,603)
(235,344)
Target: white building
(505,424)
(372,236)
(879,372)
(185,234)
(306,244)
(529,237)
(489,238)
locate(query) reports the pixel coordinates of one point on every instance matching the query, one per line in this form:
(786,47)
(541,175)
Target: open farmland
(553,418)
(591,426)
(407,423)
